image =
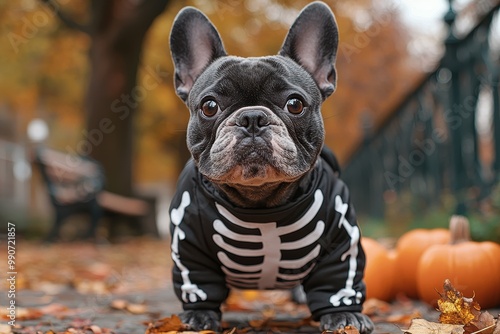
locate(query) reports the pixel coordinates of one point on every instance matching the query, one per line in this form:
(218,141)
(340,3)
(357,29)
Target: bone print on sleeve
(190,292)
(198,282)
(336,284)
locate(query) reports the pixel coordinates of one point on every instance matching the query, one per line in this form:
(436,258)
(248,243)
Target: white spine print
(266,274)
(190,291)
(346,294)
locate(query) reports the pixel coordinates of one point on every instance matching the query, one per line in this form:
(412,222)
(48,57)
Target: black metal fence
(445,137)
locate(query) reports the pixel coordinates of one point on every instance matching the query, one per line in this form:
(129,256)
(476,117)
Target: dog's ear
(194,44)
(312,42)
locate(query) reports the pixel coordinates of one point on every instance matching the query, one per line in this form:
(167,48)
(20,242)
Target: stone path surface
(70,309)
(83,288)
(75,311)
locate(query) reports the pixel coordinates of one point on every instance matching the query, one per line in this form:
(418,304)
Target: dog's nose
(253,120)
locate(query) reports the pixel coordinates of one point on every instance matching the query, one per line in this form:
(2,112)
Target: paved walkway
(121,288)
(70,309)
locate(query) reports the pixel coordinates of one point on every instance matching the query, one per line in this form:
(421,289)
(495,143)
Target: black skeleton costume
(314,240)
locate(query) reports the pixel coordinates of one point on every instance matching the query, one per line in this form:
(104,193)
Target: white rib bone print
(266,274)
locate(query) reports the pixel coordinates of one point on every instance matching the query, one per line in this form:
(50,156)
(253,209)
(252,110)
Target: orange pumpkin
(472,267)
(409,249)
(379,270)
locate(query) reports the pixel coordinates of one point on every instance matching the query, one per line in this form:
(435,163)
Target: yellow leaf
(455,308)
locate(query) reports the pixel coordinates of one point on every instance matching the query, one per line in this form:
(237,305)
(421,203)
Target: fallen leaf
(22,313)
(119,304)
(455,308)
(259,323)
(404,318)
(374,306)
(49,288)
(497,328)
(137,308)
(95,329)
(422,326)
(80,323)
(54,309)
(91,287)
(5,329)
(169,324)
(345,330)
(484,324)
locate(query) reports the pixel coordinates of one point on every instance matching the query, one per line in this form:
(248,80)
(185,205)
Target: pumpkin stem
(459,229)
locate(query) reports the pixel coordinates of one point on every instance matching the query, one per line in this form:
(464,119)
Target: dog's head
(255,121)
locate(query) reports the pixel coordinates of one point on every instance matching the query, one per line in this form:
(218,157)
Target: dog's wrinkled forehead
(252,78)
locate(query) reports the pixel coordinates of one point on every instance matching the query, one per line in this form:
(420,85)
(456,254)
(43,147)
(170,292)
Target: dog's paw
(201,319)
(334,321)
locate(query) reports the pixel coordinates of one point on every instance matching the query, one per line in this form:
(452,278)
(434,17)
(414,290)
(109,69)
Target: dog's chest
(268,255)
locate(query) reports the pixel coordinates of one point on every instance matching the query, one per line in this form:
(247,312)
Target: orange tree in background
(115,60)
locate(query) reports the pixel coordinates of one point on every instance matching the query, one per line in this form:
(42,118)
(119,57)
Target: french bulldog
(260,205)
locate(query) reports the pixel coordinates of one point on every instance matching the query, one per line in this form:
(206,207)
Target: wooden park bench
(76,185)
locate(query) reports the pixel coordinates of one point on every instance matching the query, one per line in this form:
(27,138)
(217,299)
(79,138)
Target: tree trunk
(110,109)
(117,33)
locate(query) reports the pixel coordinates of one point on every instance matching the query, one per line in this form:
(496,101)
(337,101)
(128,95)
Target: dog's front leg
(198,280)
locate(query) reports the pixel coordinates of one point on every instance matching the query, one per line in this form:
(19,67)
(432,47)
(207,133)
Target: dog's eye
(294,106)
(209,108)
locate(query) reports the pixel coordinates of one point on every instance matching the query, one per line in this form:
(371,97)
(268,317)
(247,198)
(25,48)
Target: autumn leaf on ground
(484,324)
(375,306)
(21,313)
(5,329)
(404,318)
(121,304)
(169,324)
(345,330)
(455,308)
(459,310)
(422,326)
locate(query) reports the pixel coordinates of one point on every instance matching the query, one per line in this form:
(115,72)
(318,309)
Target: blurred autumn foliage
(46,71)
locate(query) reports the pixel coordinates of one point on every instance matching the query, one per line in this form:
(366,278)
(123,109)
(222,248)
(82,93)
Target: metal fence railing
(445,136)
